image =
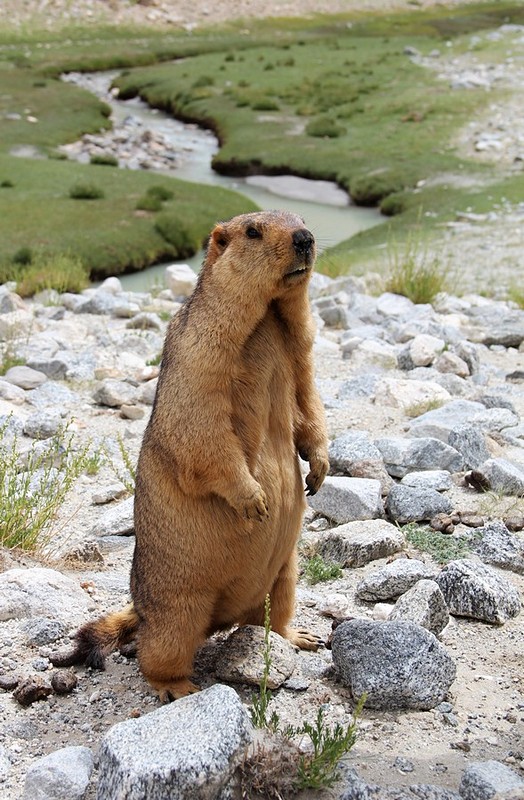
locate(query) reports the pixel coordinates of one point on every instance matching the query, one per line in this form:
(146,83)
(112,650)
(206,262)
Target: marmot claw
(256,507)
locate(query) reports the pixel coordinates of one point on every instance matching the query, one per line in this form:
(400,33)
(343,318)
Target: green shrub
(86,191)
(414,272)
(265,104)
(63,273)
(369,190)
(516,294)
(183,238)
(104,160)
(317,570)
(393,204)
(324,127)
(441,546)
(149,202)
(203,80)
(6,184)
(32,492)
(161,192)
(23,256)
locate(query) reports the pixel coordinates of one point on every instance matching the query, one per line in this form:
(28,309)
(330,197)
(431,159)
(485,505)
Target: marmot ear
(218,241)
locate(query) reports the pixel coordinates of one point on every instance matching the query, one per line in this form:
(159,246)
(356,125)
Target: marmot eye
(253,233)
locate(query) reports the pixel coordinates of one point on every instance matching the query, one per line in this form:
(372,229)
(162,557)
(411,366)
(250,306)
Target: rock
(406,504)
(437,479)
(114,393)
(444,523)
(374,470)
(112,285)
(63,681)
(424,349)
(334,605)
(472,589)
(424,604)
(31,690)
(482,780)
(398,664)
(394,305)
(193,749)
(470,442)
(392,580)
(408,455)
(148,392)
(242,658)
(145,320)
(25,377)
(11,393)
(108,494)
(180,279)
(98,303)
(5,764)
(347,499)
(352,446)
(499,547)
(502,476)
(357,543)
(42,630)
(61,775)
(51,395)
(43,424)
(371,352)
(116,521)
(40,592)
(413,397)
(449,362)
(439,422)
(360,386)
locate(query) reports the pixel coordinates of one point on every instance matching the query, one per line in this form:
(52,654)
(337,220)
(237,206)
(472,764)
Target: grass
(316,768)
(31,493)
(63,273)
(516,294)
(317,570)
(316,97)
(442,547)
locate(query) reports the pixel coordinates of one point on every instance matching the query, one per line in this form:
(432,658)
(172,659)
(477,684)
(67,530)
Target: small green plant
(64,273)
(6,184)
(94,461)
(23,256)
(516,294)
(86,191)
(318,570)
(154,362)
(318,769)
(126,471)
(324,127)
(104,160)
(149,202)
(414,272)
(162,192)
(260,701)
(265,104)
(442,547)
(32,490)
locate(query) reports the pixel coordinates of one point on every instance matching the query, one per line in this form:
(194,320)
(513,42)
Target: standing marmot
(219,494)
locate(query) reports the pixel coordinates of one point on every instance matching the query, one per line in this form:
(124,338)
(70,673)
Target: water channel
(326,209)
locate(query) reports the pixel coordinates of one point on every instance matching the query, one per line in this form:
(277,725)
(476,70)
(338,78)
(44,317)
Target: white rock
(424,349)
(40,592)
(180,279)
(410,395)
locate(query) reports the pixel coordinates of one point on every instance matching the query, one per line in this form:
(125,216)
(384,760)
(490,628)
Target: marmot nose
(303,241)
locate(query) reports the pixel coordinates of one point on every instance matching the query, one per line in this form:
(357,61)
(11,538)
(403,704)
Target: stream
(326,209)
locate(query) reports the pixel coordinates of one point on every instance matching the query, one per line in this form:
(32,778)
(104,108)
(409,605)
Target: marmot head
(273,249)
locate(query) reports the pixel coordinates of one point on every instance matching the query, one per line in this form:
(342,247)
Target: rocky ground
(417,399)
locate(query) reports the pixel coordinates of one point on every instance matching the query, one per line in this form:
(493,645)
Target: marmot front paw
(255,507)
(318,468)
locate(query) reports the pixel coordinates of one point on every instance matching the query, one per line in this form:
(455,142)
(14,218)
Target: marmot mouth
(297,272)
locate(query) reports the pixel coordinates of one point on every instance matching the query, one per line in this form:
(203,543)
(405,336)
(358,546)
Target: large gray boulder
(406,504)
(483,780)
(41,592)
(398,664)
(188,749)
(347,499)
(393,579)
(408,455)
(499,547)
(358,543)
(61,775)
(472,589)
(501,475)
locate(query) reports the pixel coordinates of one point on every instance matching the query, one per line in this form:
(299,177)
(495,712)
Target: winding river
(326,209)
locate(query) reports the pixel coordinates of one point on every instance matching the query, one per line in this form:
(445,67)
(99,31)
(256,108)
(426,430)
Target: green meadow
(333,97)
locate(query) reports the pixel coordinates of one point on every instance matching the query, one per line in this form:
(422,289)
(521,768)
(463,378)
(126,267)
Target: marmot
(219,493)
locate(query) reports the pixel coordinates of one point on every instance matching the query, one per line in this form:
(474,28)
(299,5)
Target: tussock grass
(414,271)
(62,272)
(32,489)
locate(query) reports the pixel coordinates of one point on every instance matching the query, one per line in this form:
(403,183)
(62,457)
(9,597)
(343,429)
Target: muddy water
(325,207)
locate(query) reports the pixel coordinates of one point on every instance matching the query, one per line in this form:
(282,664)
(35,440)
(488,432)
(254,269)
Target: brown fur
(219,495)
